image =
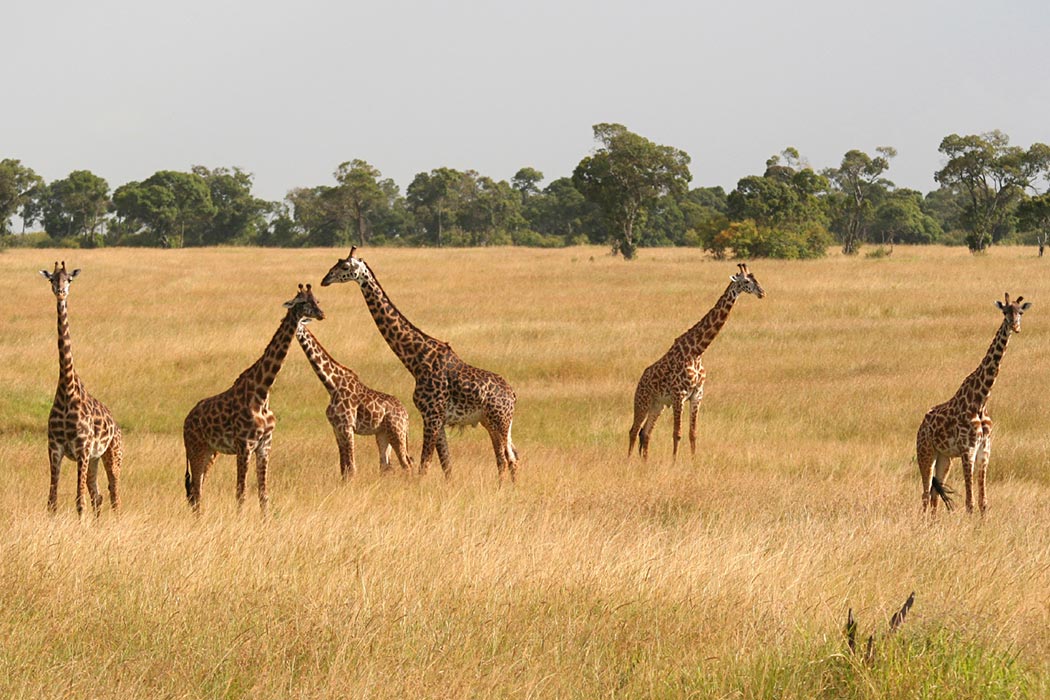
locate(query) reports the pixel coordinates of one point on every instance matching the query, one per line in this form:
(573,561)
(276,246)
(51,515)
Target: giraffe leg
(340,430)
(54,454)
(244,454)
(262,461)
(924,455)
(967,465)
(92,485)
(350,468)
(112,460)
(499,447)
(199,458)
(640,414)
(398,437)
(383,443)
(942,466)
(676,409)
(82,472)
(694,410)
(647,429)
(430,431)
(984,454)
(443,455)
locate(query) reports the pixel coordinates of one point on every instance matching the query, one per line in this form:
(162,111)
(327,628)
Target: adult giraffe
(239,420)
(961,427)
(679,375)
(448,390)
(80,427)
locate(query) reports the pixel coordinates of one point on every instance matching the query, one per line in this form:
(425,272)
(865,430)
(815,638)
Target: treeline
(629,192)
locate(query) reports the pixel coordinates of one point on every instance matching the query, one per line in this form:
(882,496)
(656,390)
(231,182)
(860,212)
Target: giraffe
(679,375)
(79,427)
(357,409)
(961,427)
(448,392)
(239,420)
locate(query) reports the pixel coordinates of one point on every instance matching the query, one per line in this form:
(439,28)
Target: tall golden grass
(727,574)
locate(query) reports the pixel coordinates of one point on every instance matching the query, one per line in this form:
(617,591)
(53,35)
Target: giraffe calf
(357,409)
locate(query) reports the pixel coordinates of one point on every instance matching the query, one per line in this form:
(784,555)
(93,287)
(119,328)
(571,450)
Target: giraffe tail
(943,491)
(189,483)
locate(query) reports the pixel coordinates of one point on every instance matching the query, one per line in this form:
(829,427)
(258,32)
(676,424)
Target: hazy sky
(289,90)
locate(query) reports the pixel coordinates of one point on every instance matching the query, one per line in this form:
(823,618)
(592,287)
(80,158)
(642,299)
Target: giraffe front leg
(443,455)
(967,465)
(83,464)
(676,409)
(262,461)
(92,484)
(244,453)
(984,455)
(54,454)
(430,433)
(694,410)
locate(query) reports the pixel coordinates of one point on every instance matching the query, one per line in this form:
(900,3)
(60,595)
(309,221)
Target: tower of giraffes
(448,390)
(239,420)
(79,427)
(679,375)
(960,427)
(355,408)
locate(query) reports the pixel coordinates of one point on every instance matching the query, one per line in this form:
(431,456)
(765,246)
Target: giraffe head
(348,269)
(746,282)
(1012,311)
(303,308)
(60,279)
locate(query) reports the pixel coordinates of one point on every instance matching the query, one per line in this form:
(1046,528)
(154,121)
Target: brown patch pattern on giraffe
(961,427)
(239,420)
(679,375)
(448,390)
(356,409)
(79,426)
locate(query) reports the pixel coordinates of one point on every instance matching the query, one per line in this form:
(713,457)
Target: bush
(748,240)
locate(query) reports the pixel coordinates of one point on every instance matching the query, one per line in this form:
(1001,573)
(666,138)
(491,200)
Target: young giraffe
(448,390)
(239,420)
(960,427)
(355,408)
(679,375)
(79,426)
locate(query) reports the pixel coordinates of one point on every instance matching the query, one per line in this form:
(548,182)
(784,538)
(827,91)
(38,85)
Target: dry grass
(726,575)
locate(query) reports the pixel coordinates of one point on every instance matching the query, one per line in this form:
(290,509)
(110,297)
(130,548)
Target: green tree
(947,206)
(360,194)
(168,207)
(432,199)
(19,188)
(1034,215)
(75,207)
(627,174)
(784,196)
(899,218)
(239,217)
(859,179)
(560,210)
(526,182)
(994,175)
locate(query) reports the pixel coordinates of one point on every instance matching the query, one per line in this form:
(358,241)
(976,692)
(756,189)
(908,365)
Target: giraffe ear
(74,273)
(46,274)
(1001,305)
(1024,306)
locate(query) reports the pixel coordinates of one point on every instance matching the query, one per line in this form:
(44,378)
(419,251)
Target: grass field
(726,575)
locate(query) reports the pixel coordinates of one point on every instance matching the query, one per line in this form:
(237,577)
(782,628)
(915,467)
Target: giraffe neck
(973,394)
(261,375)
(325,366)
(68,381)
(408,342)
(695,340)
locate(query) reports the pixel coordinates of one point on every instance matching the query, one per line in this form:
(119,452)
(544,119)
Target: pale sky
(289,90)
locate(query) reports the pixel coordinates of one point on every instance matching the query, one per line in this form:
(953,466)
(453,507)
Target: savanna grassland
(724,575)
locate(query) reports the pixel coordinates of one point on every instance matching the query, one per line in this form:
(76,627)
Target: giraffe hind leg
(54,453)
(112,460)
(92,485)
(938,483)
(925,457)
(984,455)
